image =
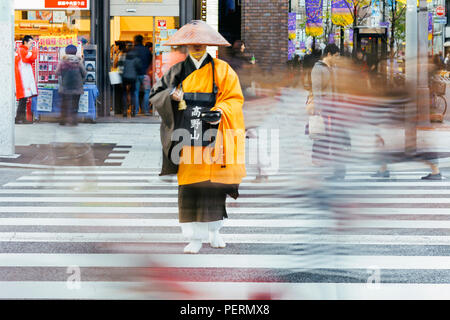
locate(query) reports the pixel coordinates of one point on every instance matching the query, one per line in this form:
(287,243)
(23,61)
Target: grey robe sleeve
(160,99)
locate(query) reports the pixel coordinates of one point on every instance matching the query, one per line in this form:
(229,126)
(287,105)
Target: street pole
(7,84)
(411,76)
(423,92)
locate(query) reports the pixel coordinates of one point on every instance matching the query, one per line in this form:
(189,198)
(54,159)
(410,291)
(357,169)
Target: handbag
(316,126)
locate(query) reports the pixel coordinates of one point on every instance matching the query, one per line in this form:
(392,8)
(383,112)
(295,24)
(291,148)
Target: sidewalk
(128,145)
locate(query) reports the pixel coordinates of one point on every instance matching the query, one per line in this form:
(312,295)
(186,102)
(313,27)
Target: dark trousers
(129,88)
(22,110)
(69,108)
(118,99)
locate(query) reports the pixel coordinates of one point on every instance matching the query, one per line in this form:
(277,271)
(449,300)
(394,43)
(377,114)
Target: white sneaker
(193,247)
(216,241)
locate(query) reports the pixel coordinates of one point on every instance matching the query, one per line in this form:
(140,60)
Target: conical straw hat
(197,32)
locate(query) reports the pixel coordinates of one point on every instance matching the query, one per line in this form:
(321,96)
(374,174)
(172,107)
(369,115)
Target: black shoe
(379,174)
(260,179)
(432,177)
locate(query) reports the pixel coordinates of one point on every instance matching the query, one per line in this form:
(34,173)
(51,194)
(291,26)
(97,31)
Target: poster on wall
(83,107)
(59,17)
(45,101)
(314,9)
(31,15)
(44,15)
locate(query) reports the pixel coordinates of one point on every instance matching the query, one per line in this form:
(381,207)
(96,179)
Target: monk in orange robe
(202,133)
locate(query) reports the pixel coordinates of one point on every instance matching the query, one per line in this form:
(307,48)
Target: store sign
(440,11)
(51,4)
(440,20)
(59,4)
(162,24)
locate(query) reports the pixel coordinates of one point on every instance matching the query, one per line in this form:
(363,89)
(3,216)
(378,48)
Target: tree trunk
(392,44)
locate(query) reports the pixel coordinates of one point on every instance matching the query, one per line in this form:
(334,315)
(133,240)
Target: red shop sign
(440,11)
(162,24)
(75,4)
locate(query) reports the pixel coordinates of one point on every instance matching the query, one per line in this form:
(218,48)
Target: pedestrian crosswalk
(113,233)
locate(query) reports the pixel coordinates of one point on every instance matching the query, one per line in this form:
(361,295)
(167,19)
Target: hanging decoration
(314,15)
(341,12)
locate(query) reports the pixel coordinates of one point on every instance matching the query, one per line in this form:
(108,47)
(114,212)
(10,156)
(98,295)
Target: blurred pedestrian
(144,55)
(241,63)
(131,66)
(335,140)
(118,88)
(308,63)
(26,86)
(255,110)
(360,62)
(431,159)
(71,74)
(447,61)
(195,98)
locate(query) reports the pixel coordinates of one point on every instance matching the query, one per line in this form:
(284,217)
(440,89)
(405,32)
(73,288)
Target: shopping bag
(115,77)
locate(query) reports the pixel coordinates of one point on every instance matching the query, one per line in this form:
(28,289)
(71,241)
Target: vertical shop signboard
(292,30)
(314,12)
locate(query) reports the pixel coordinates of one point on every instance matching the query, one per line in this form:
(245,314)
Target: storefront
(156,21)
(104,24)
(54,25)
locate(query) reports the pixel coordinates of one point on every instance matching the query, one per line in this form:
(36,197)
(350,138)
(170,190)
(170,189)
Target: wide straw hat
(197,32)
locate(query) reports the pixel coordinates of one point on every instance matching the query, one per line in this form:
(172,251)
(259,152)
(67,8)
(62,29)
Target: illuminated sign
(51,4)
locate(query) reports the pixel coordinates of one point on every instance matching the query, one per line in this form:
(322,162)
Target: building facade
(264,28)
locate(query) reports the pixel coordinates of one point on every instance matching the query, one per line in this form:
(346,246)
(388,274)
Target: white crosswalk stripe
(127,219)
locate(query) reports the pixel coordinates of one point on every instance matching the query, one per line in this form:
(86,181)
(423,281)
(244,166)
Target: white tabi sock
(193,247)
(215,240)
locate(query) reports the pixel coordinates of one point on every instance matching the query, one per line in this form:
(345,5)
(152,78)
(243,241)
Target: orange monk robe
(225,163)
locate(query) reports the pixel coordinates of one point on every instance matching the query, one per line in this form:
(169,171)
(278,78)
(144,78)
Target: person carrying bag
(330,137)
